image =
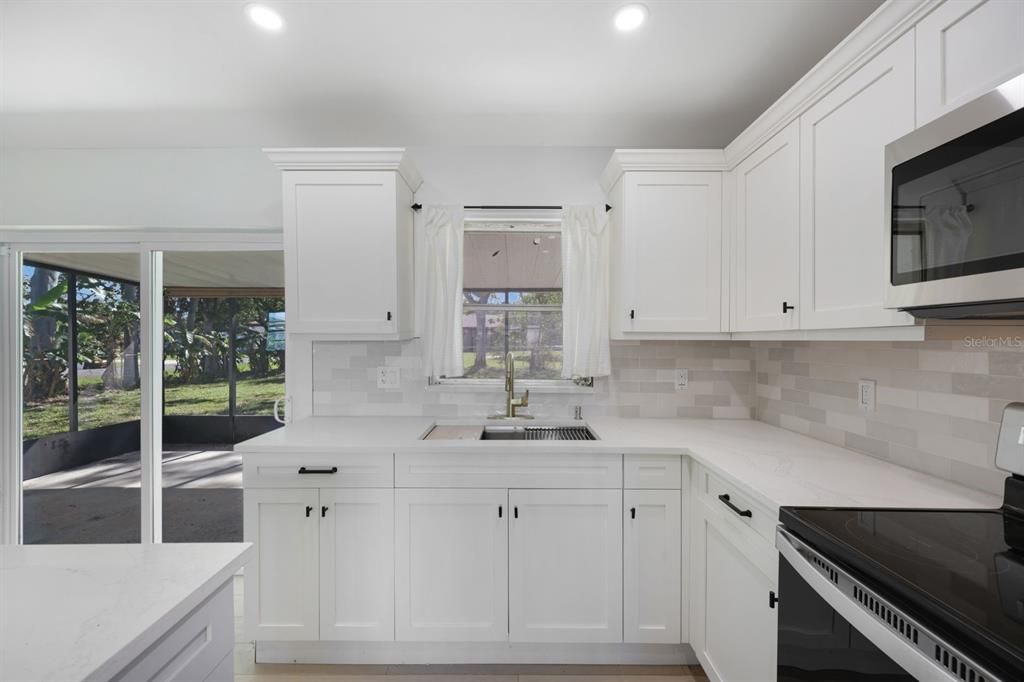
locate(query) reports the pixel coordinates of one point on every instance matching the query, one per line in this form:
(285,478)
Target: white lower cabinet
(565,566)
(652,532)
(452,565)
(734,628)
(324,567)
(281,596)
(357,591)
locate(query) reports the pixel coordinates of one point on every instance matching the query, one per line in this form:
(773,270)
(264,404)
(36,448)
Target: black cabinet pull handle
(323,512)
(632,512)
(515,512)
(786,307)
(499,511)
(724,497)
(389,316)
(308,510)
(632,314)
(773,599)
(318,470)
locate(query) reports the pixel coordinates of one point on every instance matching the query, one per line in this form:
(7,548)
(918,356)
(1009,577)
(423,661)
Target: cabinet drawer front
(193,648)
(327,470)
(511,470)
(731,501)
(653,472)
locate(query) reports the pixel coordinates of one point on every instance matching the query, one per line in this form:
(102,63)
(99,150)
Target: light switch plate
(388,377)
(866,395)
(682,379)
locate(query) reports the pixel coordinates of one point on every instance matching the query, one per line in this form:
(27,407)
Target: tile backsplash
(938,402)
(642,383)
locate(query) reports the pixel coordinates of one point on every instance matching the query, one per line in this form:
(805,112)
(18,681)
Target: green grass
(98,406)
(495,369)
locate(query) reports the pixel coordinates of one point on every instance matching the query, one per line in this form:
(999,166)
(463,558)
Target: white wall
(149,187)
(238,187)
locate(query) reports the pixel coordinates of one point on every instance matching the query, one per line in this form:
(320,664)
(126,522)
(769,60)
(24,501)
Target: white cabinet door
(565,566)
(672,250)
(281,592)
(767,237)
(964,49)
(842,192)
(357,568)
(340,244)
(452,565)
(651,566)
(735,630)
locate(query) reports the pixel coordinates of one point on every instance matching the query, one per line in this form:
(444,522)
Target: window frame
(531,222)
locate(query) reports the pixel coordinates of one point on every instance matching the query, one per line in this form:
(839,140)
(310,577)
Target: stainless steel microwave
(955,230)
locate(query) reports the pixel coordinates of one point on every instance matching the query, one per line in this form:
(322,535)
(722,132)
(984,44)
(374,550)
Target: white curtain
(585,246)
(442,318)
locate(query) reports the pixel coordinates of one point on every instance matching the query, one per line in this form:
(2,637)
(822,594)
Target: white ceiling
(411,72)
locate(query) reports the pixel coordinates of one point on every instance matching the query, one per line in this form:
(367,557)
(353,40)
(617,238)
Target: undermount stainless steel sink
(509,432)
(537,433)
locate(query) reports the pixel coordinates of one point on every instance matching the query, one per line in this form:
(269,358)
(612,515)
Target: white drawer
(508,470)
(750,543)
(731,501)
(652,472)
(194,648)
(318,470)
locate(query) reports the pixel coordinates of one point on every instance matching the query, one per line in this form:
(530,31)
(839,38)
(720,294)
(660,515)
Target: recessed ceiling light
(265,17)
(630,17)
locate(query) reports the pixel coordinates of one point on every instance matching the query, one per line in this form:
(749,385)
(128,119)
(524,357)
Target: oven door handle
(900,650)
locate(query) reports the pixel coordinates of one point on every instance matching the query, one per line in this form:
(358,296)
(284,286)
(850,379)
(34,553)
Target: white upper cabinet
(842,191)
(666,255)
(766,268)
(348,241)
(964,49)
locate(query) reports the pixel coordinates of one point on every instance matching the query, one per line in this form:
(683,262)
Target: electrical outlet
(866,395)
(388,377)
(682,379)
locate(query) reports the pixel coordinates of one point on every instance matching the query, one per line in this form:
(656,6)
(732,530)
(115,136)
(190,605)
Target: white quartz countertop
(780,467)
(84,612)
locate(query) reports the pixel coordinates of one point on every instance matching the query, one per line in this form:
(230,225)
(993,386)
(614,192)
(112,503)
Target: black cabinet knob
(632,512)
(308,511)
(773,599)
(786,307)
(323,512)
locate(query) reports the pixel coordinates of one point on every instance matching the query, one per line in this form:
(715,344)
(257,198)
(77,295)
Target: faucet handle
(525,400)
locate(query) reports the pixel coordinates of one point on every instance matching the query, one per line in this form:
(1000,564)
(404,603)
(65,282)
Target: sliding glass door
(81,392)
(136,372)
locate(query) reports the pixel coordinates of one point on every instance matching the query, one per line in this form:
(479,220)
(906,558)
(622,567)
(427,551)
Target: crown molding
(874,34)
(624,160)
(347,158)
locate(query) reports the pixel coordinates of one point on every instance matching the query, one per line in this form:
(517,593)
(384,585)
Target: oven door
(833,627)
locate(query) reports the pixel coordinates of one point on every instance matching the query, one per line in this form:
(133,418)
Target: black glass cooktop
(955,570)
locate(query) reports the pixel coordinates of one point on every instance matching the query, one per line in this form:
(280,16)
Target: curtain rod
(607,207)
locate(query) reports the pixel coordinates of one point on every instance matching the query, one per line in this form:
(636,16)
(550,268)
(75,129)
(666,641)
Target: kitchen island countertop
(85,612)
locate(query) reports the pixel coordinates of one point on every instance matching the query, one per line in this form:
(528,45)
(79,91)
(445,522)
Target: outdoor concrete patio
(99,502)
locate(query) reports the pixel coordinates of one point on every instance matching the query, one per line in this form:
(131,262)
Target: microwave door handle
(916,660)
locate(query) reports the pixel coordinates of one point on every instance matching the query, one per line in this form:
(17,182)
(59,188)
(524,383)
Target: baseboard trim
(477,653)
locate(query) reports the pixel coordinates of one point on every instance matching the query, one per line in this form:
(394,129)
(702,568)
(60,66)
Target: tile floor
(246,670)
